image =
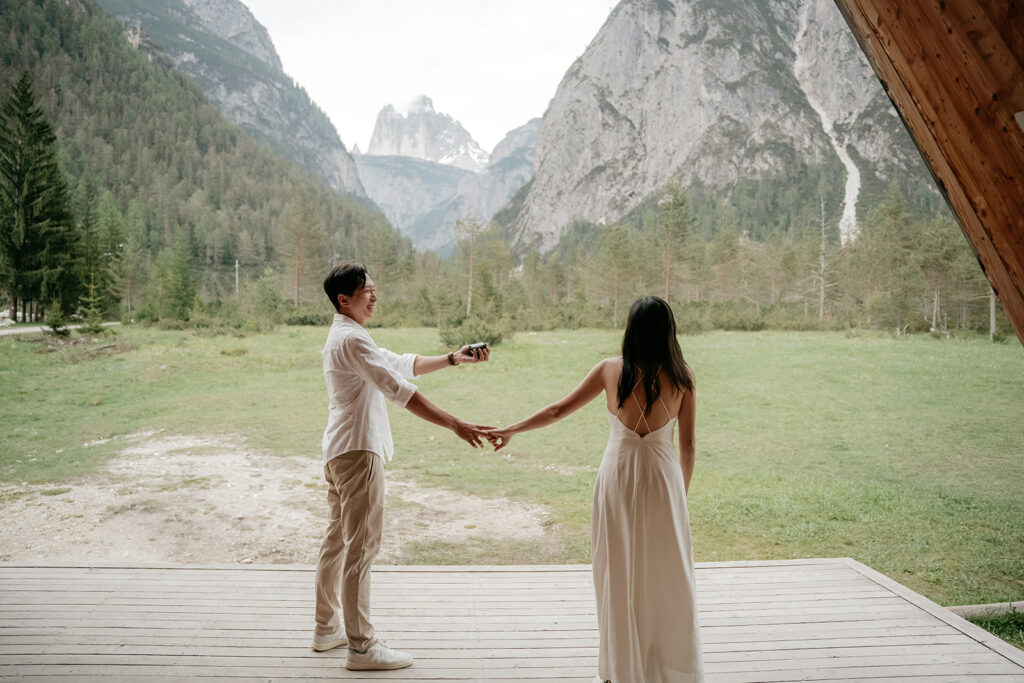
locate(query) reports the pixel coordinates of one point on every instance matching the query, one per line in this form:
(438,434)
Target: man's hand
(499,438)
(472,434)
(465,355)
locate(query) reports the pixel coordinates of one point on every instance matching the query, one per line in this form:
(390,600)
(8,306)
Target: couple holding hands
(642,555)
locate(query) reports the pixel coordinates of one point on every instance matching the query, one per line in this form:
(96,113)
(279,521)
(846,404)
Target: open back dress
(643,559)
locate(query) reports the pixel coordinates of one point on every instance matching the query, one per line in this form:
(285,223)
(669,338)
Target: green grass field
(906,454)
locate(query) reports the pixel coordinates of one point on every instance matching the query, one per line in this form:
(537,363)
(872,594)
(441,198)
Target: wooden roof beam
(954,70)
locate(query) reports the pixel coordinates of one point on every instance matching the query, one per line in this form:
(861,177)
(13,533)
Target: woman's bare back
(631,412)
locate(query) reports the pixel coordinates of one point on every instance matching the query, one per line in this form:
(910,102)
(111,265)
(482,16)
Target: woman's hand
(473,434)
(499,438)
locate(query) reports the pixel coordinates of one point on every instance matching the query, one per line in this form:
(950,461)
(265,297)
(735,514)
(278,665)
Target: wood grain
(832,619)
(954,70)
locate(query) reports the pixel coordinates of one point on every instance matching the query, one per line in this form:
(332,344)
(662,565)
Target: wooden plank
(120,628)
(966,672)
(962,625)
(241,648)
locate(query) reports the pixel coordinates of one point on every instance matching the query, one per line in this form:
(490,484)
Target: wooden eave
(955,72)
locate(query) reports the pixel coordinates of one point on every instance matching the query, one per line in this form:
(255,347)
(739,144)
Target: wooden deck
(761,621)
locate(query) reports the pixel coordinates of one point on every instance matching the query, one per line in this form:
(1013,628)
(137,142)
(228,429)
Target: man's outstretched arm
(425,364)
(420,406)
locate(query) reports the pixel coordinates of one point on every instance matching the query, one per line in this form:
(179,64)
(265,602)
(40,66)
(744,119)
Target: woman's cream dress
(643,560)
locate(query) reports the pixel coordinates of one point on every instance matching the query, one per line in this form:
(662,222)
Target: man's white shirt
(360,375)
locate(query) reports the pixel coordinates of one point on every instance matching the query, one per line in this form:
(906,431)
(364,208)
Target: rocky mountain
(424,199)
(426,134)
(406,188)
(480,195)
(232,59)
(769,98)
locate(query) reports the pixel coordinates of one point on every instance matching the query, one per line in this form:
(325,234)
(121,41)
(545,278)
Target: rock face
(424,199)
(234,23)
(406,188)
(232,59)
(426,134)
(708,93)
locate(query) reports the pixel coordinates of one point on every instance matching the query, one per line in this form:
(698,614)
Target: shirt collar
(345,320)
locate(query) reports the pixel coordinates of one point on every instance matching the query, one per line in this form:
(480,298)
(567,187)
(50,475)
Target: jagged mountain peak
(424,133)
(421,104)
(424,199)
(232,21)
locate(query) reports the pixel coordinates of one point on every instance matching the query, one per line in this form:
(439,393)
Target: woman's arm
(687,450)
(589,389)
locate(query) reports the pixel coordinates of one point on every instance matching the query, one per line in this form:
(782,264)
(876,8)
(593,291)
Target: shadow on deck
(828,619)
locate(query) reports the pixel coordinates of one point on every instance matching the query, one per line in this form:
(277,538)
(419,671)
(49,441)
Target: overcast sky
(490,64)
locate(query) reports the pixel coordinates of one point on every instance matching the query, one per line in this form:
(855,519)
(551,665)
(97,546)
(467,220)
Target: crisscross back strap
(642,416)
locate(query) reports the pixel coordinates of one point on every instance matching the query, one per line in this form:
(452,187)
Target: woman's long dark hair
(650,347)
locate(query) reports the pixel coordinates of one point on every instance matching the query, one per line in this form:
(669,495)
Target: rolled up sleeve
(376,368)
(404,364)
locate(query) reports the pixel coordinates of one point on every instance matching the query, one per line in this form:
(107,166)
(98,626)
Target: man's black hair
(345,278)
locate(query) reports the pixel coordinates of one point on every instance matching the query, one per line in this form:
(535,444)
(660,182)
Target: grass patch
(54,492)
(1009,627)
(187,482)
(902,453)
(479,550)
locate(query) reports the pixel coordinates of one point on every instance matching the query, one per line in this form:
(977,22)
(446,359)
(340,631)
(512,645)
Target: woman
(643,559)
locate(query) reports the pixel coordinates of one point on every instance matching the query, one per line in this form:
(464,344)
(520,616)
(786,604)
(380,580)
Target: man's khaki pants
(355,495)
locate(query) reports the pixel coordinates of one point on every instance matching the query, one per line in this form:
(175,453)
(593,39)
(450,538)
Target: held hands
(499,437)
(473,434)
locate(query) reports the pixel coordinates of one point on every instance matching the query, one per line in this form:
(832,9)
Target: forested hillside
(165,197)
(158,176)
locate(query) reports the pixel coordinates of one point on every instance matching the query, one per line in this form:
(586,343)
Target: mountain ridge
(232,59)
(706,94)
(424,199)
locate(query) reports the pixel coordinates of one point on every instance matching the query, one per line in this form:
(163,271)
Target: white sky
(492,65)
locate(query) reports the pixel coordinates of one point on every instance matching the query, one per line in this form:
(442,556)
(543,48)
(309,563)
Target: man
(356,445)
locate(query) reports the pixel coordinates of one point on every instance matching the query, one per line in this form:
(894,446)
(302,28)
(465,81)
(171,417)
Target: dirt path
(209,499)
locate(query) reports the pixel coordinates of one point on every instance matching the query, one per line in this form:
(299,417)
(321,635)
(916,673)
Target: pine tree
(178,282)
(615,263)
(303,248)
(38,241)
(468,230)
(93,308)
(677,228)
(93,262)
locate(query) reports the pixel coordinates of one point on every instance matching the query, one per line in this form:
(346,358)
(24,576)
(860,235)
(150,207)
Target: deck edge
(972,631)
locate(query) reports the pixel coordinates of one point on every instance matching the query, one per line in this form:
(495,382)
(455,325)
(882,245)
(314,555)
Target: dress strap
(642,416)
(668,414)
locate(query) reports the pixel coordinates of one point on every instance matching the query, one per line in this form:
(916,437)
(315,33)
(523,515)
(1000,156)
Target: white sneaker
(329,641)
(377,656)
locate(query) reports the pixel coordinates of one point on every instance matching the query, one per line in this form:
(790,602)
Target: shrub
(691,318)
(313,315)
(736,315)
(472,330)
(787,316)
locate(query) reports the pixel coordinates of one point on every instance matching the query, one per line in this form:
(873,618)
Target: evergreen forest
(126,195)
